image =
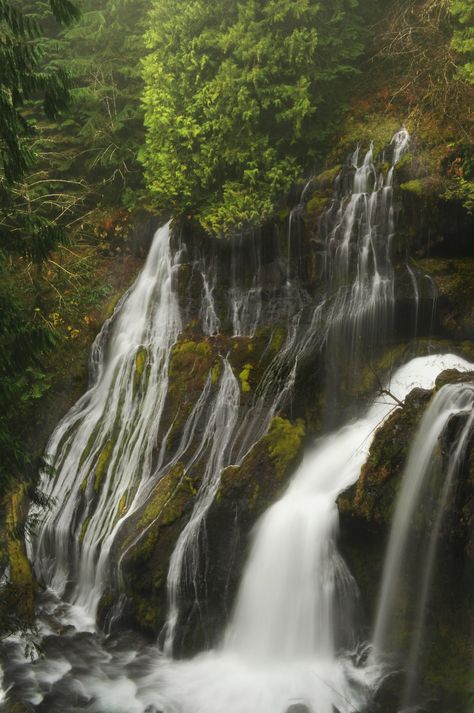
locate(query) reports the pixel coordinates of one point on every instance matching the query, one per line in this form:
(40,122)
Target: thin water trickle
(416,295)
(216,440)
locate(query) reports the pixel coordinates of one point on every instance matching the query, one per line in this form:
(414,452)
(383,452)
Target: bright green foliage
(234,100)
(461,178)
(463,38)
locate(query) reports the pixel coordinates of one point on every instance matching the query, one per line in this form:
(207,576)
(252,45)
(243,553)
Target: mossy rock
(102,463)
(165,501)
(374,126)
(258,480)
(18,600)
(244,377)
(373,497)
(326,178)
(454,279)
(189,367)
(425,187)
(84,528)
(141,358)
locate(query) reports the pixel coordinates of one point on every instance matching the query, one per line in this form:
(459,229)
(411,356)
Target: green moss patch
(244,377)
(84,528)
(284,442)
(102,464)
(414,186)
(141,358)
(21,575)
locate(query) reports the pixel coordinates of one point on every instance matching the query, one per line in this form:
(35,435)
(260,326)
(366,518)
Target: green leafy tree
(238,97)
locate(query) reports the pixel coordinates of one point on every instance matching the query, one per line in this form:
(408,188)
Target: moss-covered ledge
(372,498)
(148,538)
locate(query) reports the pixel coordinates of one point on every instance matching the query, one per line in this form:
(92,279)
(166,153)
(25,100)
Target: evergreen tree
(93,150)
(23,228)
(22,79)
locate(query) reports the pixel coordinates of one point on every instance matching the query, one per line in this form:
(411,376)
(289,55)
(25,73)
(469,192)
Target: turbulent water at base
(406,547)
(291,636)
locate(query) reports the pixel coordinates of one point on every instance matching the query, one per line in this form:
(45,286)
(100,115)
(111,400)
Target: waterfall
(210,321)
(418,481)
(291,636)
(218,433)
(416,295)
(101,453)
(2,692)
(104,453)
(358,231)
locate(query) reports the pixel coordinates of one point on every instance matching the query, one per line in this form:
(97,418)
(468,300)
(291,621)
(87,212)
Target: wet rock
(298,708)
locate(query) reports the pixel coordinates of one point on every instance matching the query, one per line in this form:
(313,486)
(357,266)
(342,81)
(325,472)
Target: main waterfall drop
(292,638)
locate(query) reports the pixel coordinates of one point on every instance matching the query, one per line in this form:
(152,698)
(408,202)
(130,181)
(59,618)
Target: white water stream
(102,450)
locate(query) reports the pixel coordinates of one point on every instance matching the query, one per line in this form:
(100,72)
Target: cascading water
(418,481)
(219,431)
(102,451)
(111,433)
(2,692)
(291,635)
(358,231)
